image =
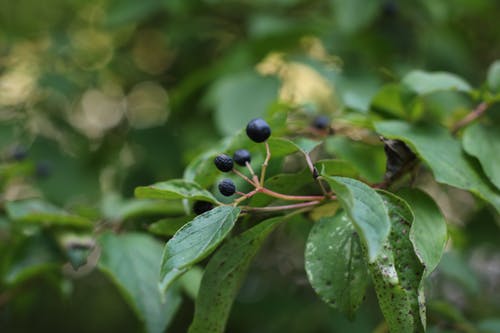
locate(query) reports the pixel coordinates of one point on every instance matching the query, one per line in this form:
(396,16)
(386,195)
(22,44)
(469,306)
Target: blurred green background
(107,95)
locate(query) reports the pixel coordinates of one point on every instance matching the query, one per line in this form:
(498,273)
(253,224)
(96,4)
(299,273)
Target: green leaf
(397,272)
(132,262)
(444,156)
(282,147)
(235,106)
(369,160)
(428,82)
(286,183)
(169,226)
(389,101)
(366,211)
(428,232)
(41,212)
(493,77)
(306,145)
(337,168)
(30,257)
(483,142)
(223,277)
(174,189)
(335,264)
(115,208)
(195,241)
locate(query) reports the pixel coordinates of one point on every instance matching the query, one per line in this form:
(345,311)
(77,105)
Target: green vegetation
(249,166)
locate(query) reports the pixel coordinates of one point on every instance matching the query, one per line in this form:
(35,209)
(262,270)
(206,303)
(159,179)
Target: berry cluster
(257,130)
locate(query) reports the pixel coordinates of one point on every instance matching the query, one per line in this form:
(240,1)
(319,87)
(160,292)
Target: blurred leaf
(353,15)
(132,262)
(169,226)
(126,11)
(32,256)
(490,325)
(397,273)
(195,241)
(335,264)
(428,232)
(428,82)
(455,266)
(306,145)
(366,210)
(444,156)
(174,189)
(191,281)
(115,207)
(369,160)
(388,101)
(493,77)
(483,142)
(240,97)
(41,212)
(224,275)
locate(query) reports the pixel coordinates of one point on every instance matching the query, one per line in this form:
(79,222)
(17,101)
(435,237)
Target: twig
(245,178)
(264,165)
(476,113)
(290,197)
(279,208)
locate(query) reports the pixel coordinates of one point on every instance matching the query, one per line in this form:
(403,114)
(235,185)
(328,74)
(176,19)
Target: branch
(476,113)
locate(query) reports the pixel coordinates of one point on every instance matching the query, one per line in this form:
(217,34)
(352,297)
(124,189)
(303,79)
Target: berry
(258,130)
(321,122)
(18,153)
(201,207)
(43,169)
(242,156)
(227,187)
(224,163)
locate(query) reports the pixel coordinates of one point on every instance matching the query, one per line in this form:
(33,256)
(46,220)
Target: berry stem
(245,178)
(315,175)
(279,208)
(264,165)
(249,166)
(290,197)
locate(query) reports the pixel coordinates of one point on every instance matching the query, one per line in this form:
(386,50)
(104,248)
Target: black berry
(258,130)
(201,207)
(224,163)
(227,187)
(18,153)
(43,169)
(321,122)
(242,156)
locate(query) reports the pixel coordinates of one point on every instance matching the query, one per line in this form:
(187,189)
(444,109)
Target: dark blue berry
(43,169)
(258,130)
(18,153)
(321,122)
(224,163)
(201,207)
(227,187)
(242,156)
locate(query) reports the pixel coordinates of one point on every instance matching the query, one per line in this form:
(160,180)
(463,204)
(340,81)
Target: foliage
(111,115)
